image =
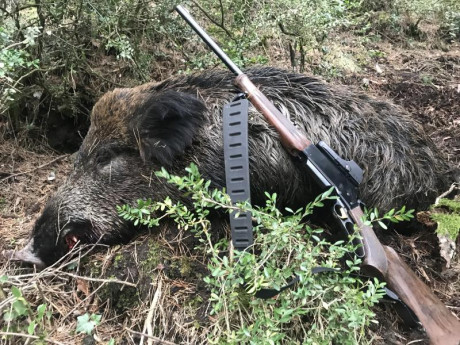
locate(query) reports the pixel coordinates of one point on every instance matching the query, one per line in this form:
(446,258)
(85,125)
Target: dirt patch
(27,179)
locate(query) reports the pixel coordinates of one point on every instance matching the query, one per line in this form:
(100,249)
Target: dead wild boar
(173,123)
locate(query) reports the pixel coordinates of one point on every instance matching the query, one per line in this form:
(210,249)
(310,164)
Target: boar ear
(166,125)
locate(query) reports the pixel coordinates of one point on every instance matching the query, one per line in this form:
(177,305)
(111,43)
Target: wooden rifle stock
(440,324)
(380,261)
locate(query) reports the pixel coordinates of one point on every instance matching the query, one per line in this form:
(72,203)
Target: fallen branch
(99,280)
(451,189)
(148,320)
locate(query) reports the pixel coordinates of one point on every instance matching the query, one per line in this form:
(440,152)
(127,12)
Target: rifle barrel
(209,41)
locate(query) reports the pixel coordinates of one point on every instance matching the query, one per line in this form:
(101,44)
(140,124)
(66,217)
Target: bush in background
(58,57)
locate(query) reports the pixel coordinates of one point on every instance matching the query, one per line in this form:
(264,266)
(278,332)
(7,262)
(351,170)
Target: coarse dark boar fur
(173,123)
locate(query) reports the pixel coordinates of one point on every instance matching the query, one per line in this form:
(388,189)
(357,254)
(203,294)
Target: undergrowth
(325,308)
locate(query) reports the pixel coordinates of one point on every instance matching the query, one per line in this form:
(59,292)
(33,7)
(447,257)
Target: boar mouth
(71,241)
(78,231)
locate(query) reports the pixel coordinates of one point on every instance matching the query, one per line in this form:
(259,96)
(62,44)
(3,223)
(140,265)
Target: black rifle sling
(235,134)
(235,123)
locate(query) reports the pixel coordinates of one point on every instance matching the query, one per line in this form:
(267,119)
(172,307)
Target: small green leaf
(20,307)
(86,323)
(382,225)
(31,328)
(16,292)
(9,316)
(41,311)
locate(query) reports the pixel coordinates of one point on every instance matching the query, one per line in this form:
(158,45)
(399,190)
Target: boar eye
(104,157)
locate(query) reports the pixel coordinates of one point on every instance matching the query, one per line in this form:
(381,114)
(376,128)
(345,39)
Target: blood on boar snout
(173,123)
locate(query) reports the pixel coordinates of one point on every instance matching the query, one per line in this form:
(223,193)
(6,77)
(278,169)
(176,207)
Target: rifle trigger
(343,214)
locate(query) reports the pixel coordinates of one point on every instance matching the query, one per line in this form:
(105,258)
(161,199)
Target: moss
(447,215)
(95,268)
(127,299)
(117,258)
(183,267)
(195,302)
(155,256)
(448,224)
(452,205)
(120,300)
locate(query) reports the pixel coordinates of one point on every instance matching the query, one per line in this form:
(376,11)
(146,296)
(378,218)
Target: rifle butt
(441,326)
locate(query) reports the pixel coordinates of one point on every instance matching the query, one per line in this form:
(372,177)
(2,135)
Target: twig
(93,72)
(148,320)
(452,187)
(30,337)
(116,281)
(158,341)
(32,170)
(215,22)
(81,302)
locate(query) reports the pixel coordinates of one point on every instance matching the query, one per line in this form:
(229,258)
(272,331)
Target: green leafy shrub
(20,317)
(321,309)
(15,62)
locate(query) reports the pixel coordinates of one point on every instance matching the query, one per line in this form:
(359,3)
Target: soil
(425,82)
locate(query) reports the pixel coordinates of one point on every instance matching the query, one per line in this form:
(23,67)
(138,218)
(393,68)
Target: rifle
(330,170)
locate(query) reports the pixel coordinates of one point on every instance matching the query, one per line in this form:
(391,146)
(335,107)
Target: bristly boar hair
(174,123)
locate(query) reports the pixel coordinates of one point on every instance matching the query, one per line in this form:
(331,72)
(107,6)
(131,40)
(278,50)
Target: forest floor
(426,82)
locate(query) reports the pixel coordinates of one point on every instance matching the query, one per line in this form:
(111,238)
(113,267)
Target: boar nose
(25,255)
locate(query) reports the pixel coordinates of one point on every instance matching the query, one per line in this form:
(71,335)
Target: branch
(284,31)
(99,280)
(215,22)
(32,170)
(30,337)
(443,195)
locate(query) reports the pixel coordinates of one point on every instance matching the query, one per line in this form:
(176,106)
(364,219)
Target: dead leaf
(83,286)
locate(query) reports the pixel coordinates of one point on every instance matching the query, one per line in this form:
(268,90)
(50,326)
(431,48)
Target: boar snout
(24,255)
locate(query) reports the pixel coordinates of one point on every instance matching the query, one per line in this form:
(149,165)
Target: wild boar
(136,131)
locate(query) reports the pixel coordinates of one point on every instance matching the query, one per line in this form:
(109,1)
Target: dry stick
(452,187)
(153,307)
(29,337)
(99,280)
(148,320)
(32,170)
(158,340)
